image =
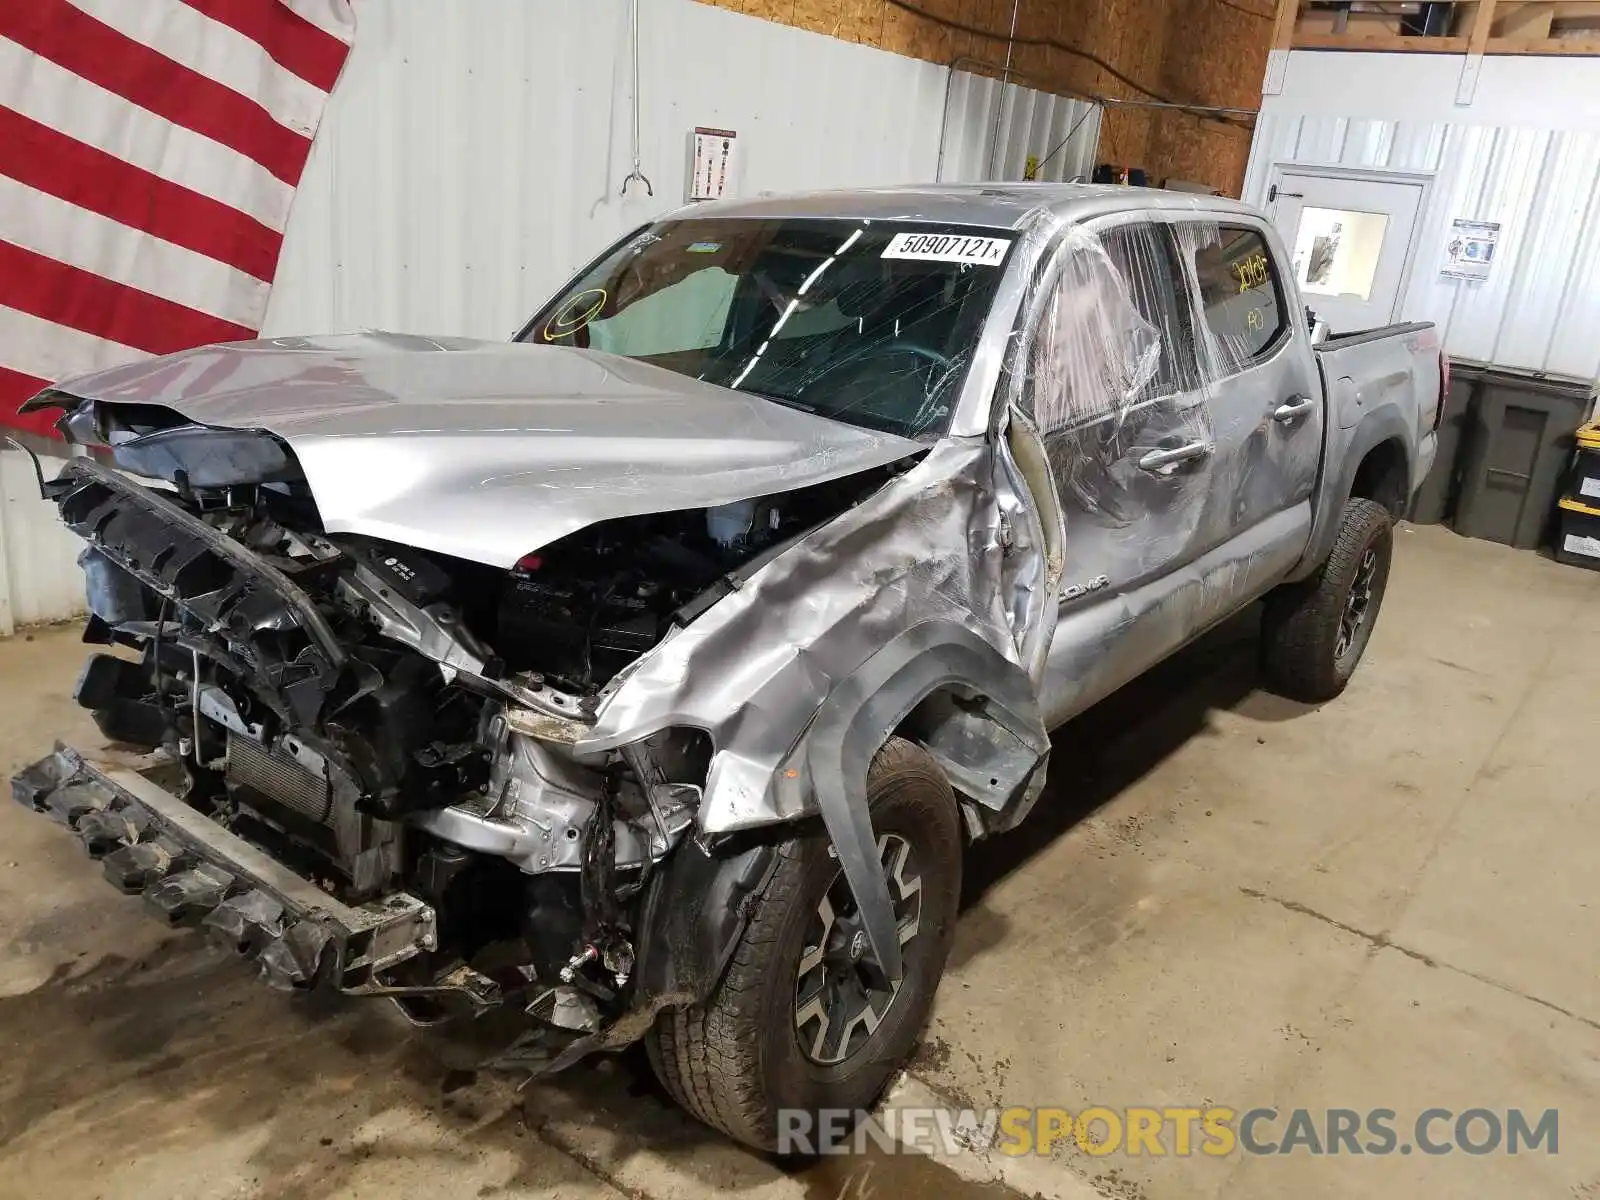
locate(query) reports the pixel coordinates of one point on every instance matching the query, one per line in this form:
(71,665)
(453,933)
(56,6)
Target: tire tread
(708,1057)
(1300,625)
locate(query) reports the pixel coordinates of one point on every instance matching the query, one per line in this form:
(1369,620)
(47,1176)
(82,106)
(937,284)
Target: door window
(1113,377)
(1112,334)
(1241,300)
(1143,256)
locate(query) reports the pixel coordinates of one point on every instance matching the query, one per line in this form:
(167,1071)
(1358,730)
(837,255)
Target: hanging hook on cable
(637,172)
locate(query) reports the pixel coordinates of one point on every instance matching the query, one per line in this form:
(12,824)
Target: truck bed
(1369,369)
(1354,337)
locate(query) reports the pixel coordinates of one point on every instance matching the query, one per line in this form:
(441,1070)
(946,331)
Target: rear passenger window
(1240,298)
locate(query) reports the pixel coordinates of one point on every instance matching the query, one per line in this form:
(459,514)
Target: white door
(1349,241)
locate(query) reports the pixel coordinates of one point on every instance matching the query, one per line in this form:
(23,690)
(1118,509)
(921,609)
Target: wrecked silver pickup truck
(645,676)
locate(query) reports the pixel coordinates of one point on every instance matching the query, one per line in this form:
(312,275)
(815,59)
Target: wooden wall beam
(1381,41)
(1578,46)
(1283,24)
(1478,39)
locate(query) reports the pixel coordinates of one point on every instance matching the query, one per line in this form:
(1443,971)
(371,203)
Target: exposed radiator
(275,775)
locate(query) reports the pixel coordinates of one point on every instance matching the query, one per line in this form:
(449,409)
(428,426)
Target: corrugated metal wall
(1540,307)
(39,579)
(472,155)
(1062,134)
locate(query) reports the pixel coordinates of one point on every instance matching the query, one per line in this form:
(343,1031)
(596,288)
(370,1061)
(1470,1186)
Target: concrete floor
(1225,898)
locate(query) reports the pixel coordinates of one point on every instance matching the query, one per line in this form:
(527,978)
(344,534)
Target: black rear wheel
(1313,633)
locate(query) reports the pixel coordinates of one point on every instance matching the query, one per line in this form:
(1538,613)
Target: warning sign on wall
(711,163)
(1469,249)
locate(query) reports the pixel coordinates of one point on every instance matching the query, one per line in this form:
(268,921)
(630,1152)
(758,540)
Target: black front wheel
(801,1021)
(1313,633)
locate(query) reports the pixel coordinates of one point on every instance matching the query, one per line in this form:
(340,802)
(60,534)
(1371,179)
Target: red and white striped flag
(149,151)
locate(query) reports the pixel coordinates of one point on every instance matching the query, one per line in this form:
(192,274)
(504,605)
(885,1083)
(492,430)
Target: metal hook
(636,173)
(640,176)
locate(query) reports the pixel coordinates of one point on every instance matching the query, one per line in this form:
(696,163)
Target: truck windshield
(873,323)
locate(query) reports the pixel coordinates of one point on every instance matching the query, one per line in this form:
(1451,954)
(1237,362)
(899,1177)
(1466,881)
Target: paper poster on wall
(711,163)
(1469,249)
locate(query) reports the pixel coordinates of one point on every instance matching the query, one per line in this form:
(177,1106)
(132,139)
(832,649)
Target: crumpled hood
(487,450)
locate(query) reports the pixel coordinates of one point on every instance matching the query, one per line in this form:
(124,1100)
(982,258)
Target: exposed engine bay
(581,610)
(387,720)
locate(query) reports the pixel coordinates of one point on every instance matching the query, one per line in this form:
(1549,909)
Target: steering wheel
(924,409)
(933,356)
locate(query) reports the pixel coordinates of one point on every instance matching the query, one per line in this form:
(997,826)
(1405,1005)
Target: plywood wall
(1218,52)
(1201,51)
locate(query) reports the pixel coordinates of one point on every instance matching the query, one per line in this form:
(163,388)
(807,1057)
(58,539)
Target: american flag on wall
(149,151)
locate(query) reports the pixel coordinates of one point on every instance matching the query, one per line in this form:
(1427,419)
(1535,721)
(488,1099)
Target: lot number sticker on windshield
(944,247)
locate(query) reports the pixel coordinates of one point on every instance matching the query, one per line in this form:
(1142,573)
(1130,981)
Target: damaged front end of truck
(407,704)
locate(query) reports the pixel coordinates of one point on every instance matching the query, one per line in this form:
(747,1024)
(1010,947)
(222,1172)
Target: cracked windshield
(872,323)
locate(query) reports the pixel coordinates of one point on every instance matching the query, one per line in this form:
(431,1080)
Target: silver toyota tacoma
(645,676)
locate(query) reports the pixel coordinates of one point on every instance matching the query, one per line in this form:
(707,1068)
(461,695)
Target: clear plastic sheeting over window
(1241,301)
(1113,382)
(1151,360)
(1093,353)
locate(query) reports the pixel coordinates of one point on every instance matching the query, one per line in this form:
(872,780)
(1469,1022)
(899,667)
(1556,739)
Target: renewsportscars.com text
(1213,1131)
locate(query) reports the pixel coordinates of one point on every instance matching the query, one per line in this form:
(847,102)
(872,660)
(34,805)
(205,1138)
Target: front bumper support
(192,871)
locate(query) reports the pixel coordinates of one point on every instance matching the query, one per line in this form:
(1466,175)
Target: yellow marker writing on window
(577,313)
(1251,272)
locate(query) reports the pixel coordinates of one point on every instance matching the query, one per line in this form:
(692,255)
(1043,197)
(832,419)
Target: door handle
(1159,460)
(1294,406)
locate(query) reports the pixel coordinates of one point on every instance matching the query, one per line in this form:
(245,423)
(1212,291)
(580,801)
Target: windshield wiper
(786,401)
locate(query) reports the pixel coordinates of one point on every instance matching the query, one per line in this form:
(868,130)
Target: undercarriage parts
(192,871)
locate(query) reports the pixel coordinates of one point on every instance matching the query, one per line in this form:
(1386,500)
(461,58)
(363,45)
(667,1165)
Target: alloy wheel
(839,998)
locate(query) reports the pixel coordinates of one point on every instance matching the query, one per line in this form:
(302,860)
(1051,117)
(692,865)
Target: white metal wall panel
(1063,134)
(471,158)
(39,578)
(1563,299)
(1540,306)
(1526,91)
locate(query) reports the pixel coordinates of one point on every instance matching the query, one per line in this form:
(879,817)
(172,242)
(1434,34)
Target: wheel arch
(988,729)
(1378,454)
(1384,474)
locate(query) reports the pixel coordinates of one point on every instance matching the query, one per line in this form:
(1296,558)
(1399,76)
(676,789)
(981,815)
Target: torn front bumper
(192,871)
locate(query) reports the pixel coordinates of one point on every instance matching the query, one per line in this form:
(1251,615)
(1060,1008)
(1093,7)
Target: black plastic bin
(1584,481)
(1578,538)
(1516,448)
